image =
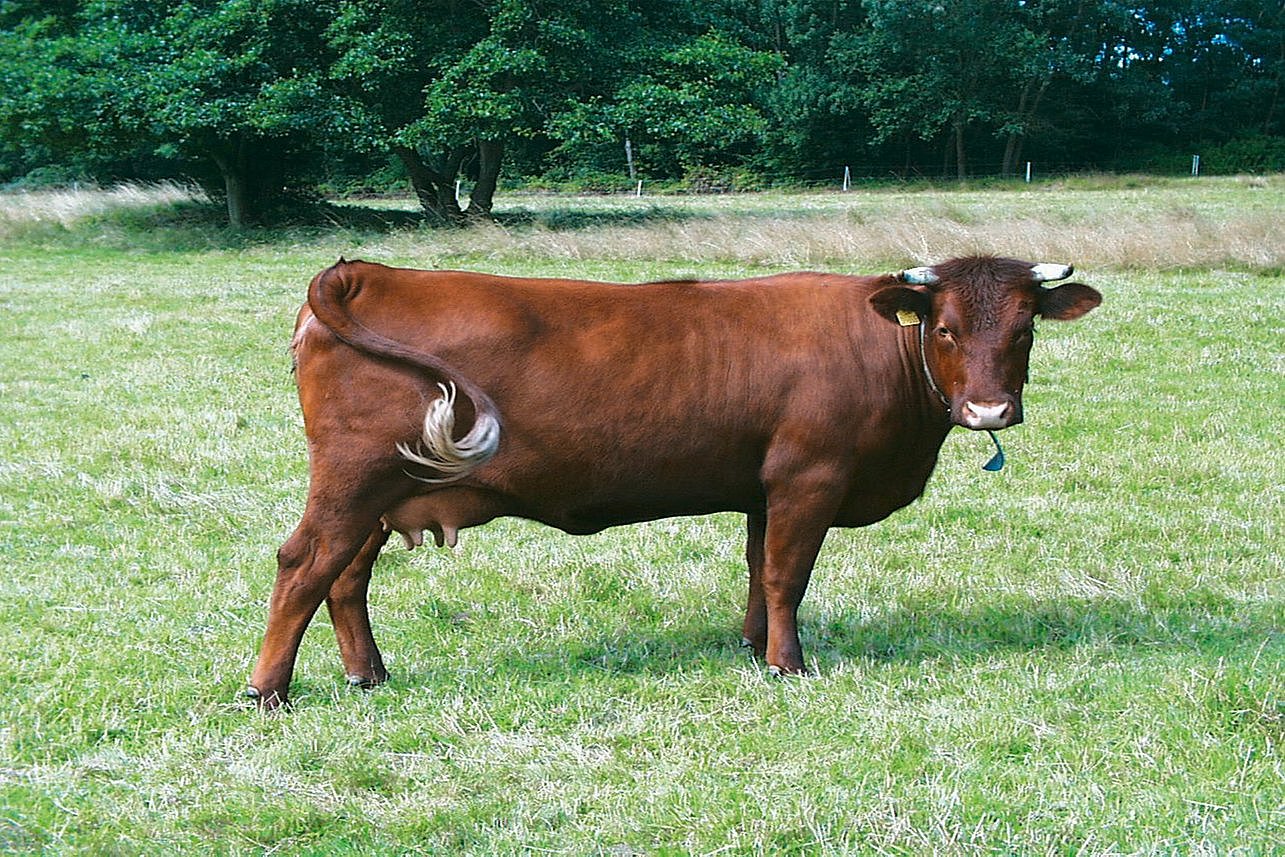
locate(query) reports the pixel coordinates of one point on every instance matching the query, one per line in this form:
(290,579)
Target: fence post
(1195,166)
(1028,172)
(638,192)
(847,178)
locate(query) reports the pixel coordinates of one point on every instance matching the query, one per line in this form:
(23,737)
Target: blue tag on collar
(997,460)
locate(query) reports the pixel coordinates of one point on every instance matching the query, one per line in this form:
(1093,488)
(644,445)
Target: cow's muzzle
(990,415)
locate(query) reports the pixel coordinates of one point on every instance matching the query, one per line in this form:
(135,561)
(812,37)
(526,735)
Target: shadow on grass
(929,632)
(584,216)
(907,636)
(1208,628)
(203,226)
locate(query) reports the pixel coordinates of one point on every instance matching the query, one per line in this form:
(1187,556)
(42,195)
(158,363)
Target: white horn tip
(1046,273)
(919,276)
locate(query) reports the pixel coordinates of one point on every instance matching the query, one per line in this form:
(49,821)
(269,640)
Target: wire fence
(843,177)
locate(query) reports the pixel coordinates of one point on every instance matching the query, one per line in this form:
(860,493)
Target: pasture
(1081,654)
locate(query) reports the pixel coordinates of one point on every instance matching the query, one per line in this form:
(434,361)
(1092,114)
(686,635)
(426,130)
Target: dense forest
(266,99)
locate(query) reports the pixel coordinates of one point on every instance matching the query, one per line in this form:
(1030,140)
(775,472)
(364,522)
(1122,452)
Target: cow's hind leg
(308,564)
(350,616)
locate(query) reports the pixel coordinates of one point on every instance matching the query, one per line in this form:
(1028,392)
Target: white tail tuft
(437,449)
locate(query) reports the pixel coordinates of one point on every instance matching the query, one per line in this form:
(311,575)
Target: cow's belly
(443,512)
(580,506)
(616,480)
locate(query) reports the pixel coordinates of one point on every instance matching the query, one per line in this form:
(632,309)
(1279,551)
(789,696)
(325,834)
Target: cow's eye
(944,332)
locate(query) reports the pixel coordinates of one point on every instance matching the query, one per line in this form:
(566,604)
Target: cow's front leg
(788,567)
(754,630)
(350,616)
(799,515)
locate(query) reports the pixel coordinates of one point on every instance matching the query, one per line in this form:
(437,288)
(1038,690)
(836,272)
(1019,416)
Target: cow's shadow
(918,634)
(928,632)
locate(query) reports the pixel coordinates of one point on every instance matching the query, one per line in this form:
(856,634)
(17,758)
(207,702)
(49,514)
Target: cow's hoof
(365,682)
(270,702)
(787,672)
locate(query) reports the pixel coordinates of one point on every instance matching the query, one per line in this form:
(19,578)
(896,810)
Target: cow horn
(919,276)
(1046,273)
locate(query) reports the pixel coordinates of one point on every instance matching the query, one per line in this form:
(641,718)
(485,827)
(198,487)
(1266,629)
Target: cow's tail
(437,448)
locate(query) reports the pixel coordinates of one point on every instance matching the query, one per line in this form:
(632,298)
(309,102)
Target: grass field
(1082,654)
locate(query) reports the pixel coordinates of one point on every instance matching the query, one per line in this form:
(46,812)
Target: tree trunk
(236,182)
(490,155)
(961,159)
(434,189)
(1026,108)
(1009,167)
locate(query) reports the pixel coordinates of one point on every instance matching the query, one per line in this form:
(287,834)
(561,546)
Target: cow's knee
(293,553)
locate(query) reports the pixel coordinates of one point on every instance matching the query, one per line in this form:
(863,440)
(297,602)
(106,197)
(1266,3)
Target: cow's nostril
(986,416)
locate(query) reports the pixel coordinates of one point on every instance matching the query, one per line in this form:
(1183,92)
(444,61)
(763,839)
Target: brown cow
(805,401)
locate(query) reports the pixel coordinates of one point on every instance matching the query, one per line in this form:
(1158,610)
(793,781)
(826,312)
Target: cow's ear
(1068,301)
(902,305)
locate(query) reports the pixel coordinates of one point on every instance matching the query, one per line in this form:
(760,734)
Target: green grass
(1080,654)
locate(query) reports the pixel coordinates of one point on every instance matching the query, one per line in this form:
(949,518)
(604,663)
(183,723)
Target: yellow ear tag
(907,318)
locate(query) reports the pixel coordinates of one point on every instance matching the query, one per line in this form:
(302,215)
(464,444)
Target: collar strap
(923,360)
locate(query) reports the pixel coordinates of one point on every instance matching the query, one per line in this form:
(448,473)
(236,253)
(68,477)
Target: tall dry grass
(1163,241)
(1125,223)
(68,206)
(1168,227)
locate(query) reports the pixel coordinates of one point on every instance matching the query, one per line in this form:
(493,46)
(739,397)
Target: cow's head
(976,322)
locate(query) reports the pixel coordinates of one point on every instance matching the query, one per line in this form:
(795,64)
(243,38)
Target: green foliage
(253,97)
(1247,155)
(931,65)
(698,105)
(58,102)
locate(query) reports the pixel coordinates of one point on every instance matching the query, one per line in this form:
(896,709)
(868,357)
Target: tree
(681,82)
(696,105)
(1221,59)
(253,95)
(228,83)
(933,66)
(231,81)
(58,106)
(816,121)
(1056,53)
(448,87)
(387,54)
